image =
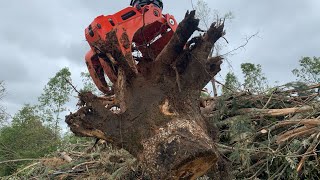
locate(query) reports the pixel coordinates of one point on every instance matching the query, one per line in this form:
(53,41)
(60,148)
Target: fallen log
(254,112)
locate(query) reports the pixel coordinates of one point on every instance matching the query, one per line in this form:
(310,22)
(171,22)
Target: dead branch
(298,132)
(74,88)
(253,112)
(65,157)
(18,160)
(243,45)
(314,86)
(85,163)
(310,150)
(306,122)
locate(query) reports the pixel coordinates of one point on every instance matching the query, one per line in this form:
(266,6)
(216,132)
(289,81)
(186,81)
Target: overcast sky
(39,37)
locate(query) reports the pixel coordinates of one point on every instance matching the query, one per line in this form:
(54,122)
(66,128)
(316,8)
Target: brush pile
(274,135)
(80,160)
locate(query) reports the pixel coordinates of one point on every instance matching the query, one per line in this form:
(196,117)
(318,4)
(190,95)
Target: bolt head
(171,21)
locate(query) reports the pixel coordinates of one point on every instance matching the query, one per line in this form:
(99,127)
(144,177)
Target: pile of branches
(274,135)
(82,160)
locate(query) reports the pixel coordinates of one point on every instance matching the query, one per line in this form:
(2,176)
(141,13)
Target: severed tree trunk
(159,121)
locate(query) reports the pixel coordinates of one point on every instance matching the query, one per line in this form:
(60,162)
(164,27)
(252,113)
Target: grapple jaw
(136,33)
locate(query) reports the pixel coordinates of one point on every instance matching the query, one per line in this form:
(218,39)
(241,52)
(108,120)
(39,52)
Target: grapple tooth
(96,72)
(109,69)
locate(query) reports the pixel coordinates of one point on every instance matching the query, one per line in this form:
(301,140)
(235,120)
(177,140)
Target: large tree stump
(159,121)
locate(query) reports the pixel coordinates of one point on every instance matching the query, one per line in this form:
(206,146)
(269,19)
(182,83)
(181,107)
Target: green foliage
(204,13)
(254,79)
(204,94)
(2,89)
(88,84)
(241,130)
(231,85)
(3,114)
(207,15)
(300,87)
(71,138)
(55,96)
(26,137)
(309,70)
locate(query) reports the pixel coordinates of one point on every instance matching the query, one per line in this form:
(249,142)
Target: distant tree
(309,70)
(204,13)
(231,85)
(207,15)
(3,114)
(88,84)
(2,90)
(26,137)
(56,94)
(254,79)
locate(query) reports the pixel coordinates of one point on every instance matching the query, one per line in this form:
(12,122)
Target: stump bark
(159,119)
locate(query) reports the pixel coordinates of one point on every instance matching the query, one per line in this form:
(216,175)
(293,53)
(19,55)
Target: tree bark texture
(159,119)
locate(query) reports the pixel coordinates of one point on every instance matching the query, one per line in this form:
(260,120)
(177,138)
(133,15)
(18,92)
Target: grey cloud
(287,31)
(11,68)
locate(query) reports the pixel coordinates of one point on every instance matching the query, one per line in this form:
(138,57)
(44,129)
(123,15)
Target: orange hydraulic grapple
(141,30)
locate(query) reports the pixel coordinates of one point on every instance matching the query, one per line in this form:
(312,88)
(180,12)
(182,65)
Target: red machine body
(146,29)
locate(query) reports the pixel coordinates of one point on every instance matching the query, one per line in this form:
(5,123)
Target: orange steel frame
(141,26)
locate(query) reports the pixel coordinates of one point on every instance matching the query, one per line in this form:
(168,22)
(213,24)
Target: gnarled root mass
(155,113)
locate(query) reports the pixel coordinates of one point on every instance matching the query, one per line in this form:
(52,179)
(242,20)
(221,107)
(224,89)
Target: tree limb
(175,46)
(85,122)
(252,112)
(199,61)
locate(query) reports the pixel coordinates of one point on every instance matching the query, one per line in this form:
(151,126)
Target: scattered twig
(75,89)
(18,160)
(243,45)
(27,167)
(310,150)
(266,105)
(85,163)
